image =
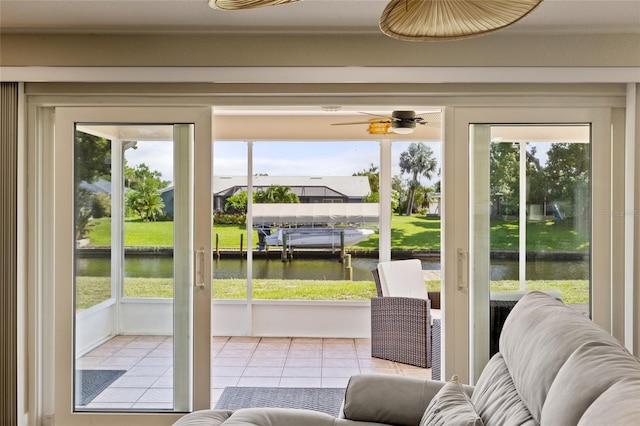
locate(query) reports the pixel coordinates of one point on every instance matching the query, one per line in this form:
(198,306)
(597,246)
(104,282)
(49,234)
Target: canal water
(323,269)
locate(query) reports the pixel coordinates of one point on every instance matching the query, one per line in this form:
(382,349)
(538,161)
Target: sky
(157,155)
(292,158)
(281,158)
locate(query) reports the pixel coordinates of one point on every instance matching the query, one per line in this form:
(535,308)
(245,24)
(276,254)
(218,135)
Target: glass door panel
(132,276)
(531,220)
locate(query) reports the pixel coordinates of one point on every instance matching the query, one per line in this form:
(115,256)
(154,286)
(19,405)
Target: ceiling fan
(428,20)
(399,122)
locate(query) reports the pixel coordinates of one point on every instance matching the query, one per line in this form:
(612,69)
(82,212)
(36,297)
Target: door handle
(462,269)
(199,268)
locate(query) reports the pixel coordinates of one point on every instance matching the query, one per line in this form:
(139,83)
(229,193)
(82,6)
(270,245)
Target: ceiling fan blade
(428,117)
(374,115)
(434,124)
(245,4)
(362,122)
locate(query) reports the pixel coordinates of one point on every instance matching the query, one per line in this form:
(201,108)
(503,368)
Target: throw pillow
(451,406)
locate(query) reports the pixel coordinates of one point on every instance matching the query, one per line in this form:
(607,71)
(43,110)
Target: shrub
(222,218)
(101,205)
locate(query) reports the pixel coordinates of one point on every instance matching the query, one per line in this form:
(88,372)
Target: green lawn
(407,232)
(92,290)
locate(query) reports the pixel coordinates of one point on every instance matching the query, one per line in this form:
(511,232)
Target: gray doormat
(326,400)
(89,383)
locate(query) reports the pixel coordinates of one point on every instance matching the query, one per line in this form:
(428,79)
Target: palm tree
(417,160)
(276,194)
(146,201)
(424,196)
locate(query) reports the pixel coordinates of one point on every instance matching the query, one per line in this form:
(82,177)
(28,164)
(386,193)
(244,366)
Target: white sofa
(555,367)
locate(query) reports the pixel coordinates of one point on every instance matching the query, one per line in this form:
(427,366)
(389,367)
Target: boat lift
(316,225)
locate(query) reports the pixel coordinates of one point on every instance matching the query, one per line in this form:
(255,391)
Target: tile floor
(236,361)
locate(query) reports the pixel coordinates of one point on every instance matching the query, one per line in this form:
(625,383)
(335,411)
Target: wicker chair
(401,327)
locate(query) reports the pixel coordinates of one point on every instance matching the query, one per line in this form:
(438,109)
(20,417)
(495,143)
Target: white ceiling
(308,16)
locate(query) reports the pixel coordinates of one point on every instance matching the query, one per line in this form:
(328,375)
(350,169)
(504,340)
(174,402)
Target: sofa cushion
(617,406)
(553,332)
(496,399)
(204,418)
(279,417)
(590,371)
(451,406)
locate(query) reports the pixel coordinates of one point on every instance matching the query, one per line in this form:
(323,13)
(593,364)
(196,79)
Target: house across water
(309,189)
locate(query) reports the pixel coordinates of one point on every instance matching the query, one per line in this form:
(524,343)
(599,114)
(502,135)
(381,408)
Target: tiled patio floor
(236,361)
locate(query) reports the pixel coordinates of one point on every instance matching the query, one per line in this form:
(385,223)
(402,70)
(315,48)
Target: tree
(93,158)
(504,180)
(418,161)
(373,174)
(143,196)
(146,201)
(568,172)
(237,202)
(424,196)
(82,212)
(141,175)
(397,192)
(536,179)
(275,194)
(92,162)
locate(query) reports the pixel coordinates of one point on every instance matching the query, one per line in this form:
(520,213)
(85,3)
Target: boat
(315,237)
(313,225)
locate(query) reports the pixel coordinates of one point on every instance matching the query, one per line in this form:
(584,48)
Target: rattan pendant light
(245,4)
(434,20)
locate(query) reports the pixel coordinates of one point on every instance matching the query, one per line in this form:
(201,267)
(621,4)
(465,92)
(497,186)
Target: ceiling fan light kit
(378,127)
(403,122)
(403,128)
(442,20)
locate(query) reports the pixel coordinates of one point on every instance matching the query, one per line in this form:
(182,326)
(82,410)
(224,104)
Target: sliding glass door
(133,262)
(533,197)
(531,218)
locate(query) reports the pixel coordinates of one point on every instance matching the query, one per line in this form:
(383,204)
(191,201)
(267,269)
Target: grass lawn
(407,232)
(92,290)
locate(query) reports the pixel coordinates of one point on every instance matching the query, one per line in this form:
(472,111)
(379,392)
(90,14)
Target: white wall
(277,318)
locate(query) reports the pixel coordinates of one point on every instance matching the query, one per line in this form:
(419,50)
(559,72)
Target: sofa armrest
(380,398)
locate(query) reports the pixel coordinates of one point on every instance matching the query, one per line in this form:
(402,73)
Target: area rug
(326,400)
(89,383)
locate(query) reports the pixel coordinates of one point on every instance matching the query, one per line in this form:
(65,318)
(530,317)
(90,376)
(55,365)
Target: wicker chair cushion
(402,278)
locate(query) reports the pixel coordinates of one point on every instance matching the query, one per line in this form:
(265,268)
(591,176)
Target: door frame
(458,321)
(57,255)
(41,98)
